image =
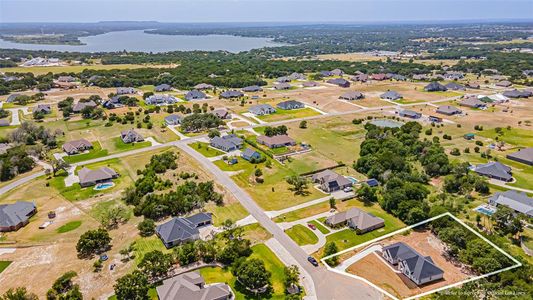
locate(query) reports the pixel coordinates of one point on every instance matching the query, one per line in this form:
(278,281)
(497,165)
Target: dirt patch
(380,272)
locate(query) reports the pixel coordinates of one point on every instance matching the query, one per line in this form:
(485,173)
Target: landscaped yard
(302,235)
(95,152)
(515,136)
(120,146)
(205,149)
(282,114)
(69,226)
(233,211)
(144,245)
(272,264)
(76,192)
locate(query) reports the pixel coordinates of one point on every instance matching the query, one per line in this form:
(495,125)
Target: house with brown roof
(192,286)
(222,113)
(77,146)
(504,83)
(276,141)
(352,95)
(356,219)
(78,107)
(473,102)
(90,177)
(448,110)
(340,82)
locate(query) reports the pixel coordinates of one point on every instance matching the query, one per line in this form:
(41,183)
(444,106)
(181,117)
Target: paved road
(328,285)
(8,187)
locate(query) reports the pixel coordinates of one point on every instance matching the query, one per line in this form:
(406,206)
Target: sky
(308,11)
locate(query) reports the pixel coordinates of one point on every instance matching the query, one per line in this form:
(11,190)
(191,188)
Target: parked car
(103,257)
(311,226)
(313,261)
(348,189)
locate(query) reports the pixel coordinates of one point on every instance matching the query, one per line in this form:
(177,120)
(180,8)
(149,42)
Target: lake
(138,40)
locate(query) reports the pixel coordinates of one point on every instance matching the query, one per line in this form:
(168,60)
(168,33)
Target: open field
(281,114)
(205,149)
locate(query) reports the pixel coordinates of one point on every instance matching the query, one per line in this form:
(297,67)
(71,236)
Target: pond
(138,40)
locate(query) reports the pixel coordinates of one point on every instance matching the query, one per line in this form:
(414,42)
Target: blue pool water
(485,210)
(353,180)
(103,186)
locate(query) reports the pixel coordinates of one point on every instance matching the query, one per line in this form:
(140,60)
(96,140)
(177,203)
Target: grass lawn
(76,192)
(4,265)
(95,152)
(120,146)
(282,114)
(272,264)
(206,150)
(233,211)
(515,136)
(256,233)
(144,245)
(348,238)
(302,235)
(69,226)
(320,227)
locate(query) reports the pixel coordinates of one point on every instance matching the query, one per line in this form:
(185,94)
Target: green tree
(156,263)
(303,124)
(212,133)
(253,275)
(299,185)
(186,254)
(132,286)
(331,248)
(93,242)
(64,288)
(146,227)
(19,293)
(292,276)
(332,203)
(367,194)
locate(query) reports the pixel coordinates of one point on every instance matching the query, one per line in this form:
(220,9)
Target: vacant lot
(302,235)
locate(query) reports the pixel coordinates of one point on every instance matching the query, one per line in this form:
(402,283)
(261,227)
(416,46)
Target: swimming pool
(353,180)
(485,209)
(103,186)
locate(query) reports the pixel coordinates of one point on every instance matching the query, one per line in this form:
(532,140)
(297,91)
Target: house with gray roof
(454,75)
(222,113)
(131,136)
(11,98)
(78,107)
(337,72)
(262,109)
(203,86)
(252,88)
(517,94)
(435,87)
(282,86)
(290,104)
(340,82)
(352,95)
(283,79)
(66,79)
(325,73)
(391,95)
(276,141)
(360,77)
(173,120)
(250,154)
(161,99)
(473,102)
(231,94)
(524,156)
(227,143)
(455,86)
(406,113)
(182,230)
(125,91)
(330,181)
(163,87)
(90,177)
(191,286)
(473,85)
(195,95)
(77,146)
(43,108)
(16,215)
(418,268)
(517,201)
(495,170)
(448,110)
(356,219)
(297,76)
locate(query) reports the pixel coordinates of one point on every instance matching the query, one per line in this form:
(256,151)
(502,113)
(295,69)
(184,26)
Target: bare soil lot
(379,272)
